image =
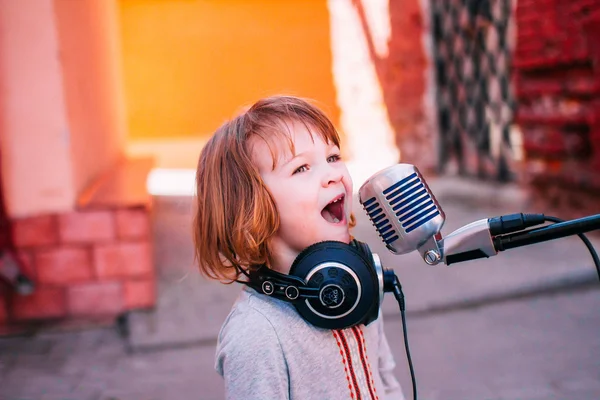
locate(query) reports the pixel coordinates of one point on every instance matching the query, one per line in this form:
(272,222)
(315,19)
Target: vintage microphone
(407,217)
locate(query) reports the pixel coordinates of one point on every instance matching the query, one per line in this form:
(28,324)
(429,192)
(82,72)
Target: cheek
(296,220)
(292,204)
(349,190)
(297,211)
(349,203)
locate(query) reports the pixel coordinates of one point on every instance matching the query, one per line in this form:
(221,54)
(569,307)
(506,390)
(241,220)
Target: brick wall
(557,85)
(93,263)
(402,75)
(405,80)
(89,263)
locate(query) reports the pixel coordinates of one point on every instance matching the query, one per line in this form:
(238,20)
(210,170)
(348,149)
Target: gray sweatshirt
(267,351)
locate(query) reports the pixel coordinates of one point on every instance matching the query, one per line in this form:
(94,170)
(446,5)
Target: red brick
(43,303)
(139,294)
(35,231)
(122,260)
(133,223)
(63,266)
(86,227)
(96,298)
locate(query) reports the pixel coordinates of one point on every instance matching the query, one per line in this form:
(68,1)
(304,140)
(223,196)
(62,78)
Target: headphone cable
(397,289)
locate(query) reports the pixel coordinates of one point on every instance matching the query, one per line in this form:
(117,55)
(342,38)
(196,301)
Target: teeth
(336,220)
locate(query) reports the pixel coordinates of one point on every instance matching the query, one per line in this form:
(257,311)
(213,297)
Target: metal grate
(379,220)
(472,49)
(411,203)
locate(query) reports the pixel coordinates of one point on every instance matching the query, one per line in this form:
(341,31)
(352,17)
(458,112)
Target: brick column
(557,83)
(85,263)
(77,212)
(404,75)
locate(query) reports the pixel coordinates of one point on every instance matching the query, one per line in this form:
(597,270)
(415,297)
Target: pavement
(521,325)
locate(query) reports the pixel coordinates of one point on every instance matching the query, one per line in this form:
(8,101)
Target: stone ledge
(122,186)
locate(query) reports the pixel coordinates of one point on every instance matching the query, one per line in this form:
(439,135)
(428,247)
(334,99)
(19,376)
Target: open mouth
(334,211)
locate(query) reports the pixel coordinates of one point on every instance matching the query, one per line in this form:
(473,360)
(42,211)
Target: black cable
(397,289)
(588,244)
(400,298)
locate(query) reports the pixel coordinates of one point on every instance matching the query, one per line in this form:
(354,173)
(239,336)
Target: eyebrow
(293,158)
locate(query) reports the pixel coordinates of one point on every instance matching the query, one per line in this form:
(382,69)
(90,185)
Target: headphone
(332,285)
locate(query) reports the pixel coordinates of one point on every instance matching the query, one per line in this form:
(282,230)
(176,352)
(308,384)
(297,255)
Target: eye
(302,168)
(334,158)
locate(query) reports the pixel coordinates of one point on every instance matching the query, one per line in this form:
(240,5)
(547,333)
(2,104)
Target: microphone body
(408,217)
(401,207)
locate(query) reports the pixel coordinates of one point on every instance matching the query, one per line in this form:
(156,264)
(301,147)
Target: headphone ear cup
(376,268)
(347,283)
(362,248)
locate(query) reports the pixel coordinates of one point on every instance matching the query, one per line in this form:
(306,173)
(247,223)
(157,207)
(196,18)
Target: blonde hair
(236,215)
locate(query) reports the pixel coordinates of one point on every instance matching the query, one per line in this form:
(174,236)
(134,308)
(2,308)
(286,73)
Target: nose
(332,175)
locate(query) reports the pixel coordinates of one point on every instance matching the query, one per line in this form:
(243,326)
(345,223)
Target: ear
(352,222)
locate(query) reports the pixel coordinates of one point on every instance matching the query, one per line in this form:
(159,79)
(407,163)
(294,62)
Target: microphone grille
(380,220)
(401,207)
(410,200)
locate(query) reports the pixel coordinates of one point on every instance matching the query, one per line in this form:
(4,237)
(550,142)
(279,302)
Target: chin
(345,239)
(341,236)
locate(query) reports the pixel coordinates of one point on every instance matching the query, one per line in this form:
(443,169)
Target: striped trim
(352,345)
(364,358)
(348,367)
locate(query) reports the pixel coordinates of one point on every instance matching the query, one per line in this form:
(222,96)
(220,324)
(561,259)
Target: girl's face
(312,190)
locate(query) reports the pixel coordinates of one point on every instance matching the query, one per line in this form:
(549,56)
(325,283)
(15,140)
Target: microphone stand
(550,232)
(479,244)
(475,240)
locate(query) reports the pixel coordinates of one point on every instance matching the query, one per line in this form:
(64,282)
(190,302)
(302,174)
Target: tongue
(333,212)
(328,215)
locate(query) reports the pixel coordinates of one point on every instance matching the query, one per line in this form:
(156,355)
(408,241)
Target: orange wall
(34,131)
(91,65)
(189,64)
(62,117)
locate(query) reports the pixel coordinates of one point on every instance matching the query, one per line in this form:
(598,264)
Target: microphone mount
(486,237)
(466,243)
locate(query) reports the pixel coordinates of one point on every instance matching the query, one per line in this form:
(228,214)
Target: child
(263,182)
